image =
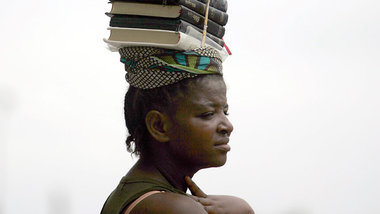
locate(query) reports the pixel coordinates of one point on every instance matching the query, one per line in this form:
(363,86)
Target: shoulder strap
(133,204)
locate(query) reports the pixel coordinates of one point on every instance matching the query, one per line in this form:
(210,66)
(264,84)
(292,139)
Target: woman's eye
(207,115)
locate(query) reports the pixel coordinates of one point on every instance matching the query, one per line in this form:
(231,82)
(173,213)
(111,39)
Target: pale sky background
(303,90)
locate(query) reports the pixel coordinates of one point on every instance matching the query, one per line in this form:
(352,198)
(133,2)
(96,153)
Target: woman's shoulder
(168,202)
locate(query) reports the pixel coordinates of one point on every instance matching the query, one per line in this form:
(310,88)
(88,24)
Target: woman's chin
(218,162)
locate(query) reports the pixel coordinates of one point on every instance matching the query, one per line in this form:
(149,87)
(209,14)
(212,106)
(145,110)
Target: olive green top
(130,189)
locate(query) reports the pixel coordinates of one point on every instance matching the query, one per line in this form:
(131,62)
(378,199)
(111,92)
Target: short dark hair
(138,102)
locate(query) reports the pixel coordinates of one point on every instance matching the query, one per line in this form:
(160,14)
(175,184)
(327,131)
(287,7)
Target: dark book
(219,4)
(146,22)
(167,11)
(218,15)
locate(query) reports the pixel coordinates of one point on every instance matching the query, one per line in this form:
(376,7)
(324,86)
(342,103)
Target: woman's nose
(225,126)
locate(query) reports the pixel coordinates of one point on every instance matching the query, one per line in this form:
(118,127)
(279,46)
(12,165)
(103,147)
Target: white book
(126,37)
(145,9)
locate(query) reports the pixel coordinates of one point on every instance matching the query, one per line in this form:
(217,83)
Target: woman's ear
(156,123)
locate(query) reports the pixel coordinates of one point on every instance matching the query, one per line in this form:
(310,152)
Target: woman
(176,114)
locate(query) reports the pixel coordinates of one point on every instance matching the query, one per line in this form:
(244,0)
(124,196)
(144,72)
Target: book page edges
(145,9)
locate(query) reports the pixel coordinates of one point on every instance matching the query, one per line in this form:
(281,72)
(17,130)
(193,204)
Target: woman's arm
(218,204)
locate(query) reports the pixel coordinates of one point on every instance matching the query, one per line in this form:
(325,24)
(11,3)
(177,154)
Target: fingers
(203,201)
(195,198)
(194,189)
(210,210)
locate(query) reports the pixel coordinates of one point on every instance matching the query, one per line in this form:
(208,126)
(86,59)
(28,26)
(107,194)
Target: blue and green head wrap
(152,67)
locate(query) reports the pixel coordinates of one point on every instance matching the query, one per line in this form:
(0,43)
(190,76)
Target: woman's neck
(162,169)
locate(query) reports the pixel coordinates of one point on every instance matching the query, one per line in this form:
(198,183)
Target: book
(126,37)
(136,35)
(146,22)
(168,11)
(214,14)
(218,4)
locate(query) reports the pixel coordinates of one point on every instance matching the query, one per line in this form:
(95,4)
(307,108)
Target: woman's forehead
(207,92)
(208,83)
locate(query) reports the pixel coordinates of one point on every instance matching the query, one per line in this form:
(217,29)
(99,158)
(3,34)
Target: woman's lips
(224,147)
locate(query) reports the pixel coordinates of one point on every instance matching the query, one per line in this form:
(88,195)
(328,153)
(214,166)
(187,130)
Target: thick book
(146,22)
(168,11)
(126,37)
(218,4)
(214,14)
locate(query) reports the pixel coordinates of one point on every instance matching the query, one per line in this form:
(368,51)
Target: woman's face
(199,130)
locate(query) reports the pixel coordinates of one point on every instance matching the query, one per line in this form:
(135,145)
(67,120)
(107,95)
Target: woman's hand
(218,204)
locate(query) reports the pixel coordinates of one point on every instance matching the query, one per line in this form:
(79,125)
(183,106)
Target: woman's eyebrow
(201,104)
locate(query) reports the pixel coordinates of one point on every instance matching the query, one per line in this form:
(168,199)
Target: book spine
(218,4)
(198,20)
(216,15)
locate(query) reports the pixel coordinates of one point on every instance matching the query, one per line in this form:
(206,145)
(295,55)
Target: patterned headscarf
(151,67)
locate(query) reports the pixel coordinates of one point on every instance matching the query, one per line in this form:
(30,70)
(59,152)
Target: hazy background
(303,89)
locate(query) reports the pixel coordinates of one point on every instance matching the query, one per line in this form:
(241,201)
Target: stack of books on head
(174,24)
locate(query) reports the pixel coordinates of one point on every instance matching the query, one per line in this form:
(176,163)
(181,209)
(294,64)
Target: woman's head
(162,83)
(196,110)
